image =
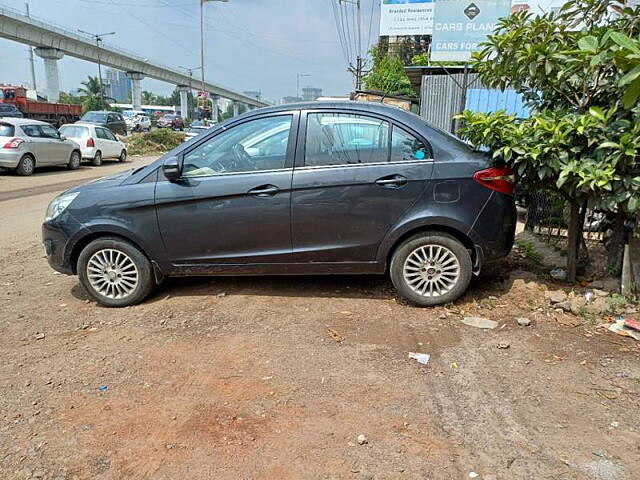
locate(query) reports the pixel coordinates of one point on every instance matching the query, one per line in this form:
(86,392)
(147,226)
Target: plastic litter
(103,388)
(589,296)
(422,358)
(473,475)
(558,274)
(621,328)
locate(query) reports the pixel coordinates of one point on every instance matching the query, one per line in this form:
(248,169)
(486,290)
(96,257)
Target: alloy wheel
(112,273)
(431,270)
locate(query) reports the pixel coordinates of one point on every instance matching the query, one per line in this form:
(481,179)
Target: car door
(231,207)
(37,143)
(58,150)
(113,123)
(350,186)
(113,144)
(105,144)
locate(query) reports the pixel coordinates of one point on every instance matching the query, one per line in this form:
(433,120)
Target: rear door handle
(396,181)
(264,191)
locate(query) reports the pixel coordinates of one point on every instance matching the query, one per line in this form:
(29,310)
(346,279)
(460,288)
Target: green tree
(387,74)
(90,94)
(583,138)
(69,98)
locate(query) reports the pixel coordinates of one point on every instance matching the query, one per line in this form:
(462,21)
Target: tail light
(500,179)
(13,143)
(90,142)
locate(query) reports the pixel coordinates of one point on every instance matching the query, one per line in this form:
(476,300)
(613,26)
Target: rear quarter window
(7,130)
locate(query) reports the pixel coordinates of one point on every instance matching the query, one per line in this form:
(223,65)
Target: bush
(156,141)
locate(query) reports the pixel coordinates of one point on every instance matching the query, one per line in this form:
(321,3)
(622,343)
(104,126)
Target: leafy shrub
(156,141)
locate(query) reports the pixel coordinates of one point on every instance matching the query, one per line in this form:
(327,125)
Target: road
(275,378)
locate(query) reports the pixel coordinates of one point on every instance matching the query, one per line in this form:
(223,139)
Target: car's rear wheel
(431,269)
(123,156)
(115,272)
(97,159)
(26,166)
(74,161)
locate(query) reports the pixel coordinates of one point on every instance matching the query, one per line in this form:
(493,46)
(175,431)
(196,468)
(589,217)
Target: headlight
(59,205)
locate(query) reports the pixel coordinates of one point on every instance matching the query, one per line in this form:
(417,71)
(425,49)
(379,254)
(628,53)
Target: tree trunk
(573,242)
(616,245)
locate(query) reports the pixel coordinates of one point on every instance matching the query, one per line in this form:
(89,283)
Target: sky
(249,44)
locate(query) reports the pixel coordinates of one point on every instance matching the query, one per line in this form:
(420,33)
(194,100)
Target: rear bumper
(10,159)
(88,153)
(494,229)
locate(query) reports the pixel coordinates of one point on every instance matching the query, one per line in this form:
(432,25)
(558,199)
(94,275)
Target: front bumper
(10,158)
(60,236)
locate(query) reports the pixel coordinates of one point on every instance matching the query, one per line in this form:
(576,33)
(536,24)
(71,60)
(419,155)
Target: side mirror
(172,168)
(62,137)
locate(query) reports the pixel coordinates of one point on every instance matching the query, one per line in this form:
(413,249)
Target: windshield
(168,117)
(94,117)
(74,131)
(6,130)
(128,113)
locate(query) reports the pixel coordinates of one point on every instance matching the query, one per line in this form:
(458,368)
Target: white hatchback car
(96,142)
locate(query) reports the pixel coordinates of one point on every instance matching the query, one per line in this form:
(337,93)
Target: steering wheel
(242,158)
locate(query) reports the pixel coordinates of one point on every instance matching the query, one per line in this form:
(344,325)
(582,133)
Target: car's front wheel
(431,269)
(74,161)
(115,272)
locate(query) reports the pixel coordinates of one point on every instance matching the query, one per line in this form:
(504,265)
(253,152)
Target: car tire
(97,159)
(431,269)
(123,156)
(26,166)
(114,272)
(74,161)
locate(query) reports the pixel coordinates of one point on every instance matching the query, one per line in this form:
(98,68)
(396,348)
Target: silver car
(26,144)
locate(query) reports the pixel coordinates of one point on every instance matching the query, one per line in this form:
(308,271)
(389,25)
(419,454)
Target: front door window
(253,146)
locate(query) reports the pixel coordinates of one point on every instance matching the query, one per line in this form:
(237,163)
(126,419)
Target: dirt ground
(276,378)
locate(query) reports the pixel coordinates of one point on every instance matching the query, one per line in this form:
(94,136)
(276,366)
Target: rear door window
(344,139)
(7,130)
(101,133)
(31,130)
(406,147)
(108,135)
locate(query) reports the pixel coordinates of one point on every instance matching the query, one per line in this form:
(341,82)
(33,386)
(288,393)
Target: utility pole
(33,69)
(98,38)
(298,76)
(358,70)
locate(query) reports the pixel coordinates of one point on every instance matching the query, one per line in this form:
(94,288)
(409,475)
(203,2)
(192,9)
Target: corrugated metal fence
(444,96)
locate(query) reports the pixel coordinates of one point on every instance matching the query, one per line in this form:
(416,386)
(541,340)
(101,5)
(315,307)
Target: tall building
(117,85)
(309,94)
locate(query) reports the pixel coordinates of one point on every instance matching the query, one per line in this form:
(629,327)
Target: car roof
(23,121)
(99,111)
(83,124)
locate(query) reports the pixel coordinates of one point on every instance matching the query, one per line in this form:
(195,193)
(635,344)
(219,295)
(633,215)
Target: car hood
(104,182)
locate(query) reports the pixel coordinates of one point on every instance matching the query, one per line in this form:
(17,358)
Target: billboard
(460,25)
(406,17)
(537,7)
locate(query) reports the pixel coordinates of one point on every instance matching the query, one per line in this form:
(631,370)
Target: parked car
(114,121)
(194,131)
(355,188)
(171,121)
(7,110)
(96,143)
(26,144)
(137,121)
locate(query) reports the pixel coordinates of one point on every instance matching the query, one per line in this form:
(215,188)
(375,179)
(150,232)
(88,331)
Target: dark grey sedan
(310,188)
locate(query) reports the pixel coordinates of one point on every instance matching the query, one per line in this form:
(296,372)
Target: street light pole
(298,76)
(98,38)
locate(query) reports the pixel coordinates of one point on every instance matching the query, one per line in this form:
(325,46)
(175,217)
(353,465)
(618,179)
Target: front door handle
(392,181)
(264,191)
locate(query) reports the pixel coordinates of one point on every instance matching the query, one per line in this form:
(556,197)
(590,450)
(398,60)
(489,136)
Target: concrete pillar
(51,57)
(236,106)
(136,89)
(214,108)
(184,100)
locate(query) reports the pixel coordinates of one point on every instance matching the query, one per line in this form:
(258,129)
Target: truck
(54,113)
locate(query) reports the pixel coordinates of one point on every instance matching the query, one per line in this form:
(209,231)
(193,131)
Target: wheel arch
(81,243)
(457,233)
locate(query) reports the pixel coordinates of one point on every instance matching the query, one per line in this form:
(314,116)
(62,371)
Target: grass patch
(156,141)
(529,251)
